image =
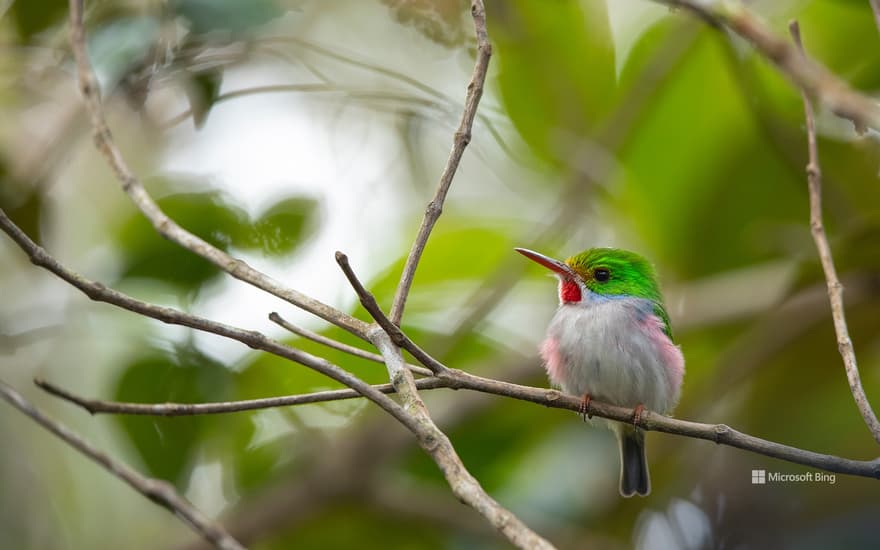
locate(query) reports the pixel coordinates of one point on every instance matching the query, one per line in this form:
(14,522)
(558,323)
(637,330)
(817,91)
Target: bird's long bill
(551,264)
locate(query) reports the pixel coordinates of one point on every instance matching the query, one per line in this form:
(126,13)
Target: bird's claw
(637,414)
(584,410)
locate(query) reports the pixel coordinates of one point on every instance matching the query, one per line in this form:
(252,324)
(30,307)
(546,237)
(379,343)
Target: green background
(625,125)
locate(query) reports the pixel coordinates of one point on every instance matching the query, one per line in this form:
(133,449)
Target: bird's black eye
(601,274)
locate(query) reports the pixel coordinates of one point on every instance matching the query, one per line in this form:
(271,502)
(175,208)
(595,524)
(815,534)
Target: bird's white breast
(615,350)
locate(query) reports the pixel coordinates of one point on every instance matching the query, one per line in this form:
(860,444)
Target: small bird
(610,340)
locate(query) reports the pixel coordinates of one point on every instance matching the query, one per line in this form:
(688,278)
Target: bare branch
(415,419)
(97,406)
(159,491)
(808,74)
(164,225)
(719,433)
(253,339)
(432,440)
(459,380)
(451,378)
(349,470)
(333,89)
(329,342)
(397,335)
(460,140)
(835,289)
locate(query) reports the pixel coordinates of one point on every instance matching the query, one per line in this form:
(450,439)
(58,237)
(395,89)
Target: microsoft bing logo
(763,477)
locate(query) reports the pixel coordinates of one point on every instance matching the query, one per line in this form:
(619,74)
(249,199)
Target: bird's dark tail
(634,477)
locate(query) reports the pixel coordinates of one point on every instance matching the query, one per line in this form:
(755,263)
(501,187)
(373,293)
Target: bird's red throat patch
(569,291)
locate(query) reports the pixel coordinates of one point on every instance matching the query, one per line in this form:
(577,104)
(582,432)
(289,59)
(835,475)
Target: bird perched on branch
(610,340)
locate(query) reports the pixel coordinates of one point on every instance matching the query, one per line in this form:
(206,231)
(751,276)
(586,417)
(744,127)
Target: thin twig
(809,75)
(164,225)
(329,342)
(372,306)
(323,88)
(436,443)
(159,491)
(460,140)
(97,406)
(835,289)
(379,69)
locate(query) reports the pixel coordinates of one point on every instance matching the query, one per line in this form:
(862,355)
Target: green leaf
(207,215)
(739,186)
(28,214)
(442,21)
(32,17)
(120,46)
(281,228)
(23,203)
(255,465)
(363,524)
(202,93)
(234,16)
(212,217)
(167,445)
(461,250)
(556,70)
(834,45)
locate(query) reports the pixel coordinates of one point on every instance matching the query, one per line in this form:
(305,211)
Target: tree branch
(651,421)
(415,419)
(458,380)
(253,339)
(433,441)
(835,289)
(460,140)
(329,342)
(164,225)
(97,406)
(326,88)
(451,378)
(348,467)
(159,491)
(809,75)
(372,306)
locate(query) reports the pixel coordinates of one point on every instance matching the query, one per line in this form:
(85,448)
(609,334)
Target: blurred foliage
(119,46)
(22,203)
(168,445)
(552,104)
(212,217)
(232,16)
(442,21)
(667,137)
(202,93)
(31,18)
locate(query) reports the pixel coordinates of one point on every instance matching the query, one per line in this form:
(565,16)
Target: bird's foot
(637,414)
(584,410)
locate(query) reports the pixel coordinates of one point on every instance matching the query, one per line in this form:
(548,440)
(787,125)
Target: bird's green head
(606,273)
(616,272)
